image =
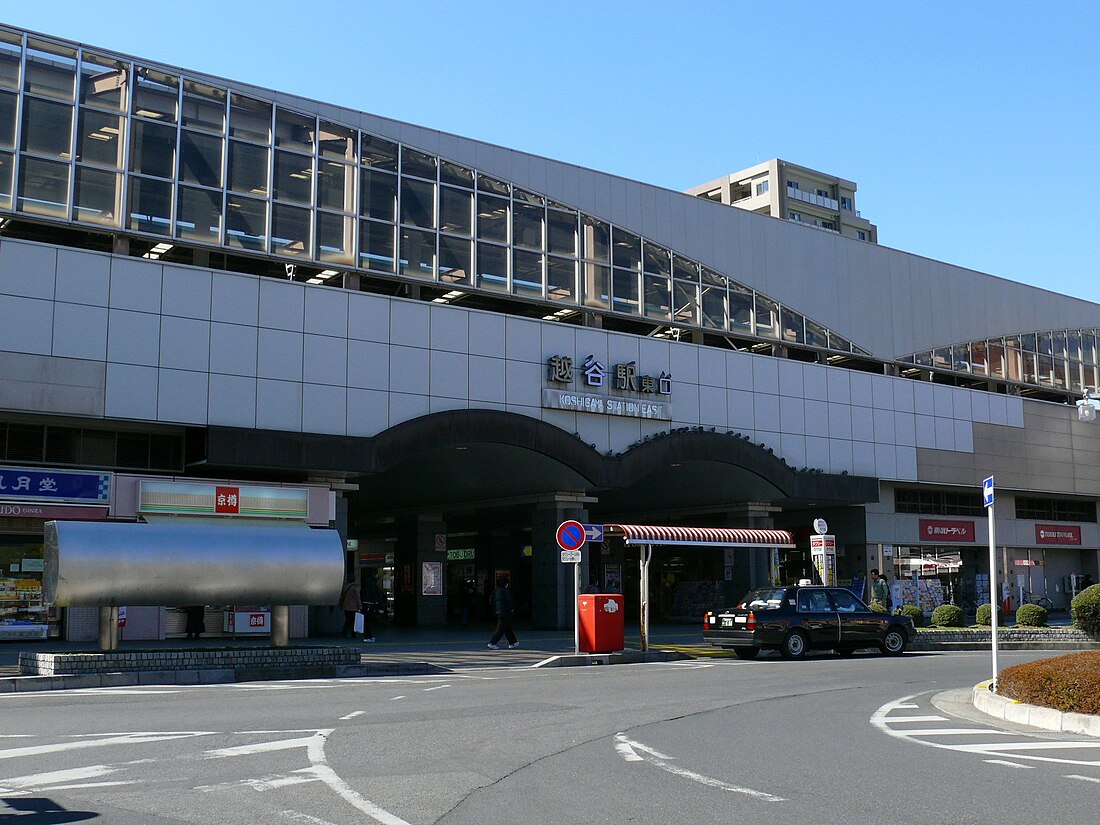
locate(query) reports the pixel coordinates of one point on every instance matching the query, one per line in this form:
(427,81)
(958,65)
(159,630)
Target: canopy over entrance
(635,534)
(644,536)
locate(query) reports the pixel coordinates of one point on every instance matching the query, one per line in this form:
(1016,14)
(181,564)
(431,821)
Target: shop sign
(48,512)
(1027,563)
(646,396)
(460,555)
(54,485)
(952,531)
(197,499)
(1057,534)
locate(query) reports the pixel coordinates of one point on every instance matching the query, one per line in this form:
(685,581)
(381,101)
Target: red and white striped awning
(700,536)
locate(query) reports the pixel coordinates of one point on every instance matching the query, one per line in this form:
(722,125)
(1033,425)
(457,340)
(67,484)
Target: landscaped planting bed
(1070,683)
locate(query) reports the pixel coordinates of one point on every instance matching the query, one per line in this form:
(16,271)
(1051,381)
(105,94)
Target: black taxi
(795,619)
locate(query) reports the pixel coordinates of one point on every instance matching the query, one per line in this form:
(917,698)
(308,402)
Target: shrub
(1031,615)
(913,612)
(984,616)
(1070,683)
(1085,610)
(947,615)
(877,606)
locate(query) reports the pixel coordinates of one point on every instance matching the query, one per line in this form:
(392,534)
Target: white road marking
(259,747)
(918,719)
(959,732)
(352,715)
(112,739)
(882,720)
(53,777)
(119,691)
(629,751)
(1008,764)
(81,785)
(1082,778)
(316,751)
(396,697)
(17,736)
(437,687)
(265,783)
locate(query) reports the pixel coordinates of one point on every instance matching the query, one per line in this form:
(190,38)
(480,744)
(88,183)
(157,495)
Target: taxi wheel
(794,646)
(746,652)
(893,643)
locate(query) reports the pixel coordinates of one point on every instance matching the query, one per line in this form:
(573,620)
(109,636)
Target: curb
(216,676)
(1000,707)
(632,658)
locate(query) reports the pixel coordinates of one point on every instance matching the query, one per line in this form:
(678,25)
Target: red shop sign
(950,531)
(227,500)
(1057,534)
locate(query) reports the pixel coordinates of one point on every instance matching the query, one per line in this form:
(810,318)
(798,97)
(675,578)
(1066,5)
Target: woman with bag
(351,603)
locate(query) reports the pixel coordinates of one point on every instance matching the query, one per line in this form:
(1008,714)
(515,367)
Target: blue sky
(971,127)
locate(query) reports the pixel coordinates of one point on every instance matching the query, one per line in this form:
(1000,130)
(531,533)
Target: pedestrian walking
(371,600)
(880,591)
(503,605)
(351,602)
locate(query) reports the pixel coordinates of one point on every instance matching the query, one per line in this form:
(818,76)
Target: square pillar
(552,606)
(416,546)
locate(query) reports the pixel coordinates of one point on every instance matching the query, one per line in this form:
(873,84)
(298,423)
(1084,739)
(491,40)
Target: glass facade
(100,140)
(1062,360)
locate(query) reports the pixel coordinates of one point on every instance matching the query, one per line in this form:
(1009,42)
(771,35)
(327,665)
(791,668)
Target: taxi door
(818,618)
(858,625)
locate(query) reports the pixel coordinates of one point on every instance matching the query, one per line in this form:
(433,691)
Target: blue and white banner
(23,484)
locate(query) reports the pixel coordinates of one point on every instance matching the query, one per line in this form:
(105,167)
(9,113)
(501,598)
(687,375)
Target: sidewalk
(443,647)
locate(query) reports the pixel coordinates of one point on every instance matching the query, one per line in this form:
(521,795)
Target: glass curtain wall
(1062,359)
(103,141)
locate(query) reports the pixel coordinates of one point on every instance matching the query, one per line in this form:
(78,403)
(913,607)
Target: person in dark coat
(371,600)
(503,604)
(196,622)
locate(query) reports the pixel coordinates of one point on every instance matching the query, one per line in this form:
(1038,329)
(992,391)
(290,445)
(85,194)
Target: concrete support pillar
(593,320)
(755,570)
(351,281)
(120,245)
(280,625)
(108,628)
(552,606)
(421,542)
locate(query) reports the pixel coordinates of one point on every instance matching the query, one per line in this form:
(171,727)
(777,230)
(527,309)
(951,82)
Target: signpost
(571,537)
(987,500)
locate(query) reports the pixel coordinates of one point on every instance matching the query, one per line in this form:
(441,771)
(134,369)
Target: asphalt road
(826,740)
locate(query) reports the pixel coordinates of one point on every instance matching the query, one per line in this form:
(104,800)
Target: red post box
(600,617)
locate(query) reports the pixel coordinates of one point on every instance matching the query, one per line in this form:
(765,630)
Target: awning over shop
(700,536)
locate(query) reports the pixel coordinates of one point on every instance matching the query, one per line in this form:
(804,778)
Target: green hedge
(913,612)
(947,615)
(1031,615)
(984,615)
(1086,610)
(877,606)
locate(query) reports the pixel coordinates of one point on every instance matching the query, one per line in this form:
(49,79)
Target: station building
(222,301)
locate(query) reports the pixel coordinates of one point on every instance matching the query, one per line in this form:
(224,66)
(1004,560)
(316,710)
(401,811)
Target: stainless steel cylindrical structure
(114,564)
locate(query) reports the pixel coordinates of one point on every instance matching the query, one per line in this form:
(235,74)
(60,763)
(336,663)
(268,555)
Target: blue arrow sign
(987,492)
(593,532)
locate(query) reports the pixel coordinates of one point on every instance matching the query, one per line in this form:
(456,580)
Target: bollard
(280,625)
